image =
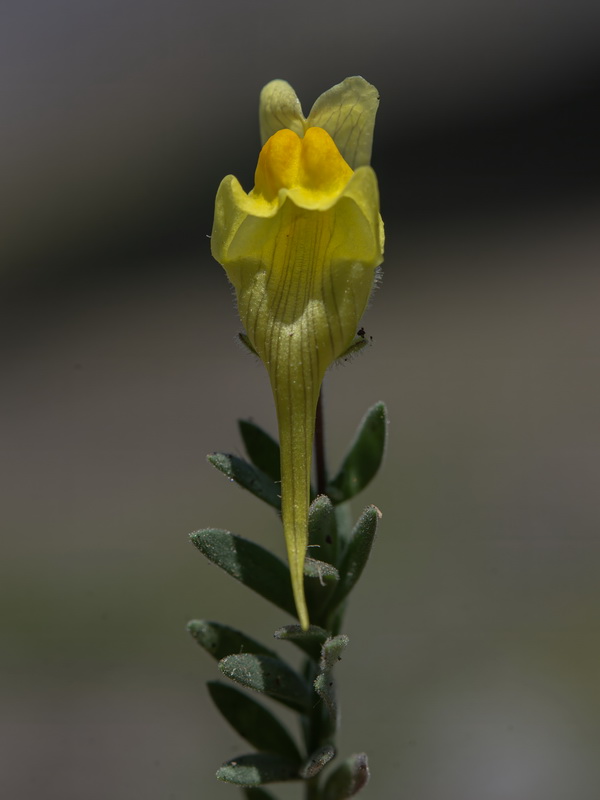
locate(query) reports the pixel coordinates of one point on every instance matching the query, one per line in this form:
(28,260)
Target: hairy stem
(315,733)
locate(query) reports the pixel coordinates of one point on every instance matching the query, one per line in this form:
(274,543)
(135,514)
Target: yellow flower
(301,251)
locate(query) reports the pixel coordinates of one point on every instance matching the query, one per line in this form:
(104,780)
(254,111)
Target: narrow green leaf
(221,640)
(262,449)
(356,555)
(331,653)
(258,768)
(319,589)
(348,779)
(248,477)
(324,573)
(270,676)
(363,458)
(310,641)
(322,529)
(251,793)
(325,688)
(332,650)
(249,563)
(253,721)
(317,761)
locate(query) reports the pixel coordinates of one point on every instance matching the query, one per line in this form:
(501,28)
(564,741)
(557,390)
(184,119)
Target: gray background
(472,672)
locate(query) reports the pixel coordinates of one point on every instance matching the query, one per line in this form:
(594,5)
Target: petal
(309,170)
(279,108)
(364,235)
(347,112)
(230,212)
(278,164)
(323,171)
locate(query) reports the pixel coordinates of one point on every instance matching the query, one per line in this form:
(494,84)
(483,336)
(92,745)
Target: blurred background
(474,663)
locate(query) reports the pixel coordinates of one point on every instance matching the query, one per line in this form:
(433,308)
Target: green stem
(314,732)
(317,732)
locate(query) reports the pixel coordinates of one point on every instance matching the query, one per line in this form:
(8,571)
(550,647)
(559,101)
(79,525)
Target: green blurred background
(474,664)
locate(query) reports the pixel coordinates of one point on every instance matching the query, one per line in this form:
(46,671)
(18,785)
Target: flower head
(301,250)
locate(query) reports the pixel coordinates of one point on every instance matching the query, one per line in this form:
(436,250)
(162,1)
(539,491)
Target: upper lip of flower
(346,111)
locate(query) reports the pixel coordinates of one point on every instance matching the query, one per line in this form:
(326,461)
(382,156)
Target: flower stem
(312,789)
(316,735)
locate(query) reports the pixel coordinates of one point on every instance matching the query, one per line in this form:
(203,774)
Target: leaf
(271,676)
(325,688)
(317,761)
(322,529)
(253,721)
(331,652)
(258,768)
(318,590)
(323,540)
(310,641)
(221,640)
(248,477)
(262,449)
(348,779)
(356,555)
(248,563)
(325,573)
(364,457)
(324,683)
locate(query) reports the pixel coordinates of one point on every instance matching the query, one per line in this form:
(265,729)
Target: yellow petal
(347,112)
(279,108)
(310,171)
